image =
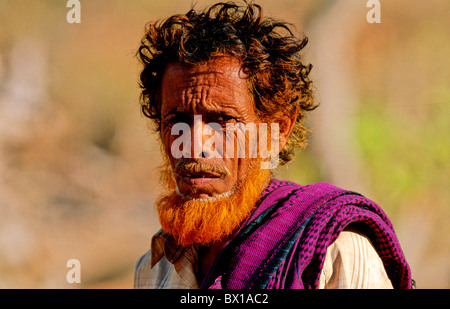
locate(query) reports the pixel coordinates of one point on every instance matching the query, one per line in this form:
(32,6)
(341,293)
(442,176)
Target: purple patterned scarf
(284,242)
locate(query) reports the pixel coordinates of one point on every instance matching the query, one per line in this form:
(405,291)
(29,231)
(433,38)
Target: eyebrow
(176,111)
(222,112)
(173,111)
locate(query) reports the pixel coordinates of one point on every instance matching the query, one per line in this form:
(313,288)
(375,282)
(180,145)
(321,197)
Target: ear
(286,124)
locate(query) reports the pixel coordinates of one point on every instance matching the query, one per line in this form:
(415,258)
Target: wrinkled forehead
(226,66)
(218,81)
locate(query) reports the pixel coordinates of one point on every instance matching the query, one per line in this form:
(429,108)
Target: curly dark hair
(267,49)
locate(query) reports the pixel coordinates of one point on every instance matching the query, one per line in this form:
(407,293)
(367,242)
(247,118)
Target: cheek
(242,141)
(177,140)
(241,149)
(167,141)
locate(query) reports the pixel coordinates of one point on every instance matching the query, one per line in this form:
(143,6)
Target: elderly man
(220,86)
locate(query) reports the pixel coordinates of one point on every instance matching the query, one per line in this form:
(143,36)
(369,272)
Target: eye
(173,118)
(224,118)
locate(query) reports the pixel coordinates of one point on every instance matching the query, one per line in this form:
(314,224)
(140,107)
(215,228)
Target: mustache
(185,166)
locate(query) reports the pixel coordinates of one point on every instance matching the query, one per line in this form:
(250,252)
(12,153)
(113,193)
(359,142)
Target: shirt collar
(164,245)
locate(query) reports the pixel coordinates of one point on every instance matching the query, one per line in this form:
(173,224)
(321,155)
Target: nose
(197,139)
(205,139)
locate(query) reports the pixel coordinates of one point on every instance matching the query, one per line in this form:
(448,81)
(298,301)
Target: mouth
(198,179)
(197,174)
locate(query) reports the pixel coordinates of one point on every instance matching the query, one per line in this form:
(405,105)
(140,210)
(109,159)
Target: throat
(207,256)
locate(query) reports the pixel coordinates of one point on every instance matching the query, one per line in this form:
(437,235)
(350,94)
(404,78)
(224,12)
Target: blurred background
(78,163)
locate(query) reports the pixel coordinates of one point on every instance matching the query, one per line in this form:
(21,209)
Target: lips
(201,174)
(198,179)
(198,174)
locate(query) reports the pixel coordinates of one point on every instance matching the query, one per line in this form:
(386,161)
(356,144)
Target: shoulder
(148,276)
(142,271)
(352,262)
(161,275)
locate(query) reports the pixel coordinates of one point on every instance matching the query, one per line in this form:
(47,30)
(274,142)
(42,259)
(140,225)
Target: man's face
(214,92)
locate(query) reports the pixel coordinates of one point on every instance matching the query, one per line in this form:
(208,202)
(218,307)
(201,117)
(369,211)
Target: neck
(207,255)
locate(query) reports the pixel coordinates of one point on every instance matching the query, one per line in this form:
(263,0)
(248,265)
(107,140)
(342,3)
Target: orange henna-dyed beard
(194,221)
